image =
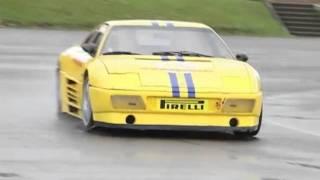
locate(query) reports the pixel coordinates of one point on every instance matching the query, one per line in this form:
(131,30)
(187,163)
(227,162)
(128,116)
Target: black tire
(251,133)
(87,117)
(59,112)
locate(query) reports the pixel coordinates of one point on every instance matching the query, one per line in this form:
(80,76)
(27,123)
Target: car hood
(205,74)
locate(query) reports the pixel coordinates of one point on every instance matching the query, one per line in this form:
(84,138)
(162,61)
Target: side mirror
(89,48)
(242,57)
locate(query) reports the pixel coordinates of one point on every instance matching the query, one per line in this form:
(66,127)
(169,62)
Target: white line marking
(285,125)
(300,130)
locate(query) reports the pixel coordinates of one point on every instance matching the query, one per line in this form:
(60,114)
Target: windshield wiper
(190,53)
(180,53)
(165,53)
(120,53)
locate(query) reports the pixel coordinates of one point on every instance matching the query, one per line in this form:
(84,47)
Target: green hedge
(228,16)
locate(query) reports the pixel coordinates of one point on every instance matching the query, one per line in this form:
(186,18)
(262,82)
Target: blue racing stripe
(164,58)
(179,58)
(155,24)
(174,85)
(170,25)
(190,85)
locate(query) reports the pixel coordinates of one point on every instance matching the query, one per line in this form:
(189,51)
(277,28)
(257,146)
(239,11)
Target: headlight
(238,105)
(127,102)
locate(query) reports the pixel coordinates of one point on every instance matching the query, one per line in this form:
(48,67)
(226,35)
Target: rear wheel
(87,117)
(251,133)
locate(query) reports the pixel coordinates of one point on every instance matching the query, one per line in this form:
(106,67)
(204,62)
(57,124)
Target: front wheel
(87,117)
(251,133)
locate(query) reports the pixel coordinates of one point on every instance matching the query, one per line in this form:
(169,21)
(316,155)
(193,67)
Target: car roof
(156,23)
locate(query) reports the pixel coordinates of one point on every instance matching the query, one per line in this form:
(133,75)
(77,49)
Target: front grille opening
(73,109)
(71,82)
(72,90)
(72,100)
(71,95)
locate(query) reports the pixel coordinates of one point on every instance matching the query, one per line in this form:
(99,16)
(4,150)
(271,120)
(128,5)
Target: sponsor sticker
(183,105)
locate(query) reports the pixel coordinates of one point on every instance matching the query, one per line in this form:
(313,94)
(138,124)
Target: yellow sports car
(147,74)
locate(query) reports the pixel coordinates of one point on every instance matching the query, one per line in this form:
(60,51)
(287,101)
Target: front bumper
(151,118)
(177,128)
(175,119)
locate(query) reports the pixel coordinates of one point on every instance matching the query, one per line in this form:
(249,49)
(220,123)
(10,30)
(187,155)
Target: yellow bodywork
(223,88)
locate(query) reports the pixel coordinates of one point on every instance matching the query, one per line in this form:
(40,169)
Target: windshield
(157,40)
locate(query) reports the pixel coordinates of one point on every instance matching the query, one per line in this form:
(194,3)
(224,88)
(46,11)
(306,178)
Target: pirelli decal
(193,105)
(175,85)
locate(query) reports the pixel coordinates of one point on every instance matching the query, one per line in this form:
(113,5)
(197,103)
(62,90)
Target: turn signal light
(127,102)
(238,106)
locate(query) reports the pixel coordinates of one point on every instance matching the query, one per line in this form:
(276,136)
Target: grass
(227,16)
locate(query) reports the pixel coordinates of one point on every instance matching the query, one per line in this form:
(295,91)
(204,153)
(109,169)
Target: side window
(91,43)
(96,38)
(88,38)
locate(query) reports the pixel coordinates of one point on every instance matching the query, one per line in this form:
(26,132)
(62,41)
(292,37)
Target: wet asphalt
(36,144)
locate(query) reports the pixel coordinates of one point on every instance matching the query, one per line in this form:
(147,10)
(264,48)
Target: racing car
(152,74)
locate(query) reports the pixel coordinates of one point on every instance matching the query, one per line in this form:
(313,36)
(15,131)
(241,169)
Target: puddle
(8,175)
(271,179)
(295,117)
(312,166)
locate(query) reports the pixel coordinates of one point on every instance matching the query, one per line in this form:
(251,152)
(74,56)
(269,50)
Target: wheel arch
(96,73)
